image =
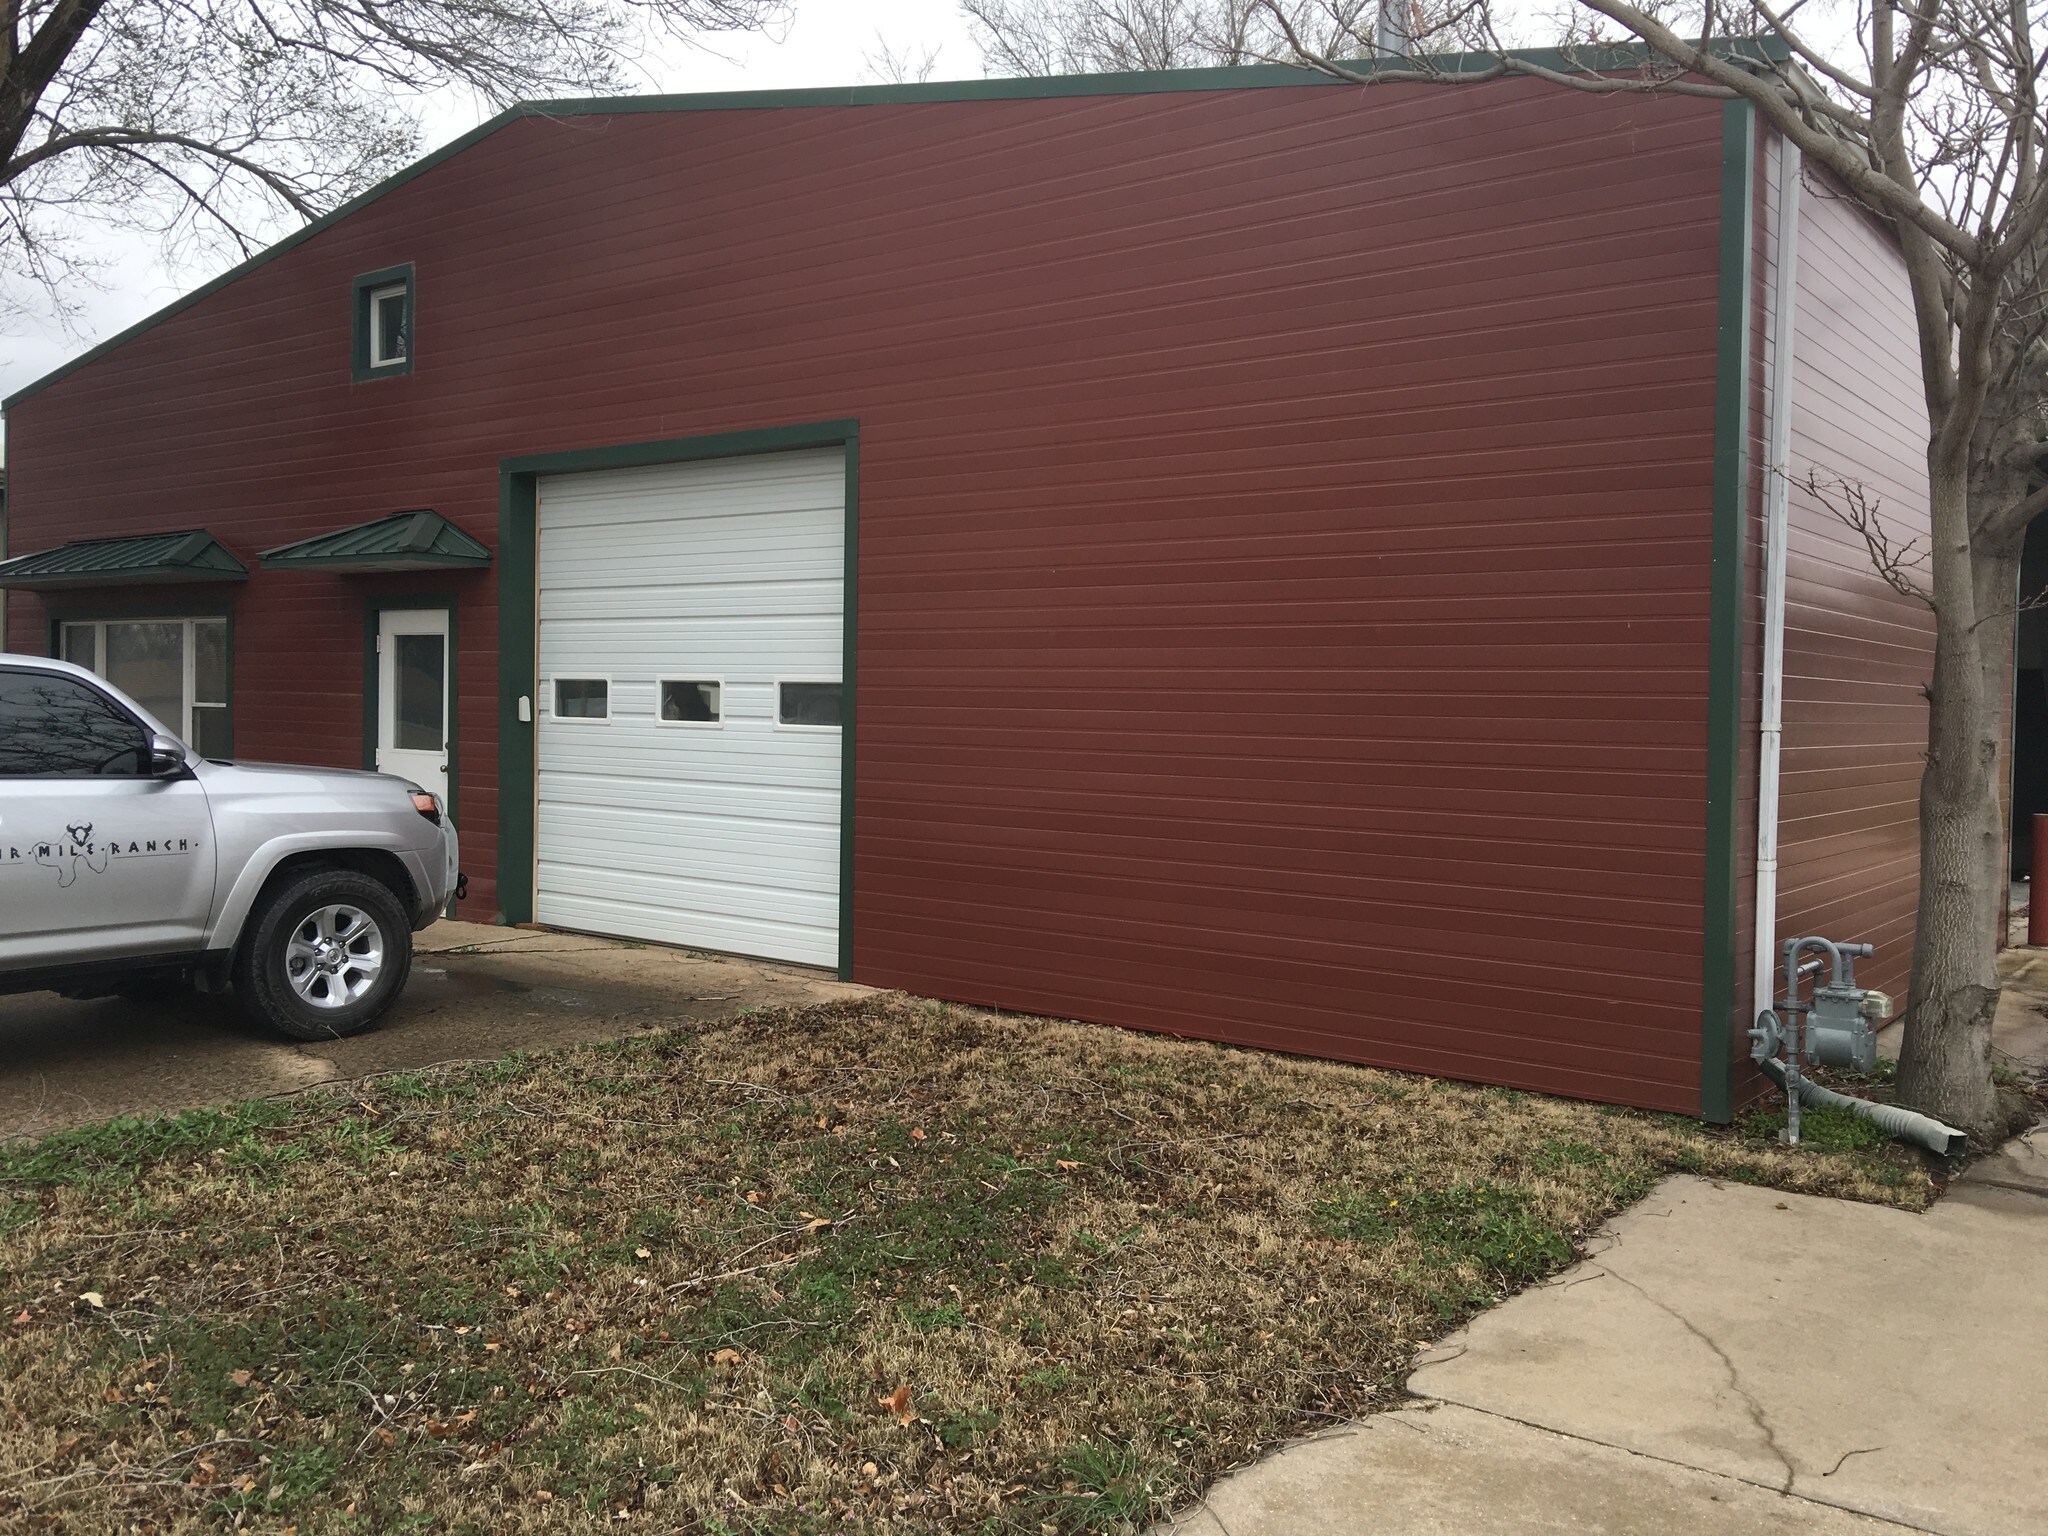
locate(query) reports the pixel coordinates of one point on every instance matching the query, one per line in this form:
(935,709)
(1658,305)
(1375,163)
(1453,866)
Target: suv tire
(323,955)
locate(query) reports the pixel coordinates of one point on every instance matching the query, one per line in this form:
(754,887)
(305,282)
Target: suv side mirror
(165,757)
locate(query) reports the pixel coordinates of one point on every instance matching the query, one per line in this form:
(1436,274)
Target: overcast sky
(827,43)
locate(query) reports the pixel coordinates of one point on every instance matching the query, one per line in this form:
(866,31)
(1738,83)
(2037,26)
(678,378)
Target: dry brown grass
(686,1282)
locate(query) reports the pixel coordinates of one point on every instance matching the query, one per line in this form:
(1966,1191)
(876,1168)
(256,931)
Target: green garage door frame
(519,634)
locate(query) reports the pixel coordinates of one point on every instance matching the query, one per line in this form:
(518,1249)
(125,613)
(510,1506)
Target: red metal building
(1226,553)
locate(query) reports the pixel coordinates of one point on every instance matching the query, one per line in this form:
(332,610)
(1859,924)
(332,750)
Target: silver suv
(128,864)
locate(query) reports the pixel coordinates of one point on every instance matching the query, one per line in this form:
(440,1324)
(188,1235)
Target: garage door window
(583,698)
(177,669)
(815,705)
(690,701)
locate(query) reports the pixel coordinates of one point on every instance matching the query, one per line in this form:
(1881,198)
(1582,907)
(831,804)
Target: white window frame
(694,725)
(377,297)
(775,706)
(188,684)
(552,698)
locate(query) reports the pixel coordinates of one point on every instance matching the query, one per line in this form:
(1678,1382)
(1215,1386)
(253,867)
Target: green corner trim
(519,634)
(1762,53)
(1724,629)
(849,706)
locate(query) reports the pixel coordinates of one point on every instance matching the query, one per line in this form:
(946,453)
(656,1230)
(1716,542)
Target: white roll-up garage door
(688,707)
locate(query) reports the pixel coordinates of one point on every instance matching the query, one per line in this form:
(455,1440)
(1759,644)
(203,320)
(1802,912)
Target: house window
(388,325)
(383,323)
(177,669)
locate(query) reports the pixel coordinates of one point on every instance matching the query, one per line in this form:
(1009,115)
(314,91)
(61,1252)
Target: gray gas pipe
(1837,1027)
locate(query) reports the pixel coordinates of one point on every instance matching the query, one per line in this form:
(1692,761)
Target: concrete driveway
(475,992)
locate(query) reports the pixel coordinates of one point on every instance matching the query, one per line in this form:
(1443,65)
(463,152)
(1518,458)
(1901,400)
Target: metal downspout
(1777,512)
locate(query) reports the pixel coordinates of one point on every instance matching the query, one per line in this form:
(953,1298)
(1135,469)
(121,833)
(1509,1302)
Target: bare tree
(885,64)
(211,119)
(1930,113)
(1085,37)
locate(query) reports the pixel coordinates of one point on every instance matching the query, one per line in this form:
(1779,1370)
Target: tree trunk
(1945,1061)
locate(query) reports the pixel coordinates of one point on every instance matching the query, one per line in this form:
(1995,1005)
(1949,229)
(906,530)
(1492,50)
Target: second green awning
(404,541)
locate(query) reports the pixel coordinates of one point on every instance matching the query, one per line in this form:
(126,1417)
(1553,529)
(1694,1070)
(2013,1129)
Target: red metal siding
(1856,652)
(1284,522)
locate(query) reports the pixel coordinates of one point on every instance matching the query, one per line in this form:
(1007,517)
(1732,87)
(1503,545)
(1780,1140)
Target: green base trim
(1724,630)
(519,634)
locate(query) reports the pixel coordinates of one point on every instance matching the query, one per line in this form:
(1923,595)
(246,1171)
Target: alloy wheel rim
(334,955)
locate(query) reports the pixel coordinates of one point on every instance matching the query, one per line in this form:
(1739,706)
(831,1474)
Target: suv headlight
(427,804)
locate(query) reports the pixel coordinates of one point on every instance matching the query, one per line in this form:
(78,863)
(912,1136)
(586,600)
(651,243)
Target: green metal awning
(192,555)
(404,541)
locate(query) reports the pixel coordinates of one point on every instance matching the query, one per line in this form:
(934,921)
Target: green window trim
(361,369)
(1725,622)
(519,634)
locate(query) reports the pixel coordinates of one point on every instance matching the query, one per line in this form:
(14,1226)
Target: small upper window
(388,318)
(384,328)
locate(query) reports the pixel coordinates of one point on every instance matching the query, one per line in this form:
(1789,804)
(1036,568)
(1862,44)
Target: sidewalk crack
(1757,1416)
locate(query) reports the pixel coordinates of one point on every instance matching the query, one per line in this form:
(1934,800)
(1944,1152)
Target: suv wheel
(324,955)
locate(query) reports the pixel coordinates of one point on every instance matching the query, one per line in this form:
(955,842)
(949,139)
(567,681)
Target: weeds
(871,1266)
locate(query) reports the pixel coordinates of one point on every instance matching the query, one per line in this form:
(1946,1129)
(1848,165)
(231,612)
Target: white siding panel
(722,837)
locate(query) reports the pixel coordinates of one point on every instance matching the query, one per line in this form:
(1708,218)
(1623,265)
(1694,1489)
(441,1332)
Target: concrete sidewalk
(1728,1360)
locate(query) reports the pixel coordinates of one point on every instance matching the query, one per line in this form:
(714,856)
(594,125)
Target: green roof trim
(191,555)
(1606,58)
(404,541)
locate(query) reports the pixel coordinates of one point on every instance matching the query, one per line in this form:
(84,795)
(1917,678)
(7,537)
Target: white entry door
(687,717)
(413,667)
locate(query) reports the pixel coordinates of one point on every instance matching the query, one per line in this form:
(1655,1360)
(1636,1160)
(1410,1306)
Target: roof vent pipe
(1777,511)
(1395,32)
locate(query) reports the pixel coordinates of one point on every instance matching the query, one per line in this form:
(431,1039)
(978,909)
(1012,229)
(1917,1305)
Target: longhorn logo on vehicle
(77,853)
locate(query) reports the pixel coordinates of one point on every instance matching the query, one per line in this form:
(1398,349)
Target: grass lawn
(871,1266)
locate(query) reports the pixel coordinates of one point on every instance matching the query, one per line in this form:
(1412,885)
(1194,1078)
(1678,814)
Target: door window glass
(419,704)
(692,703)
(177,669)
(807,704)
(58,727)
